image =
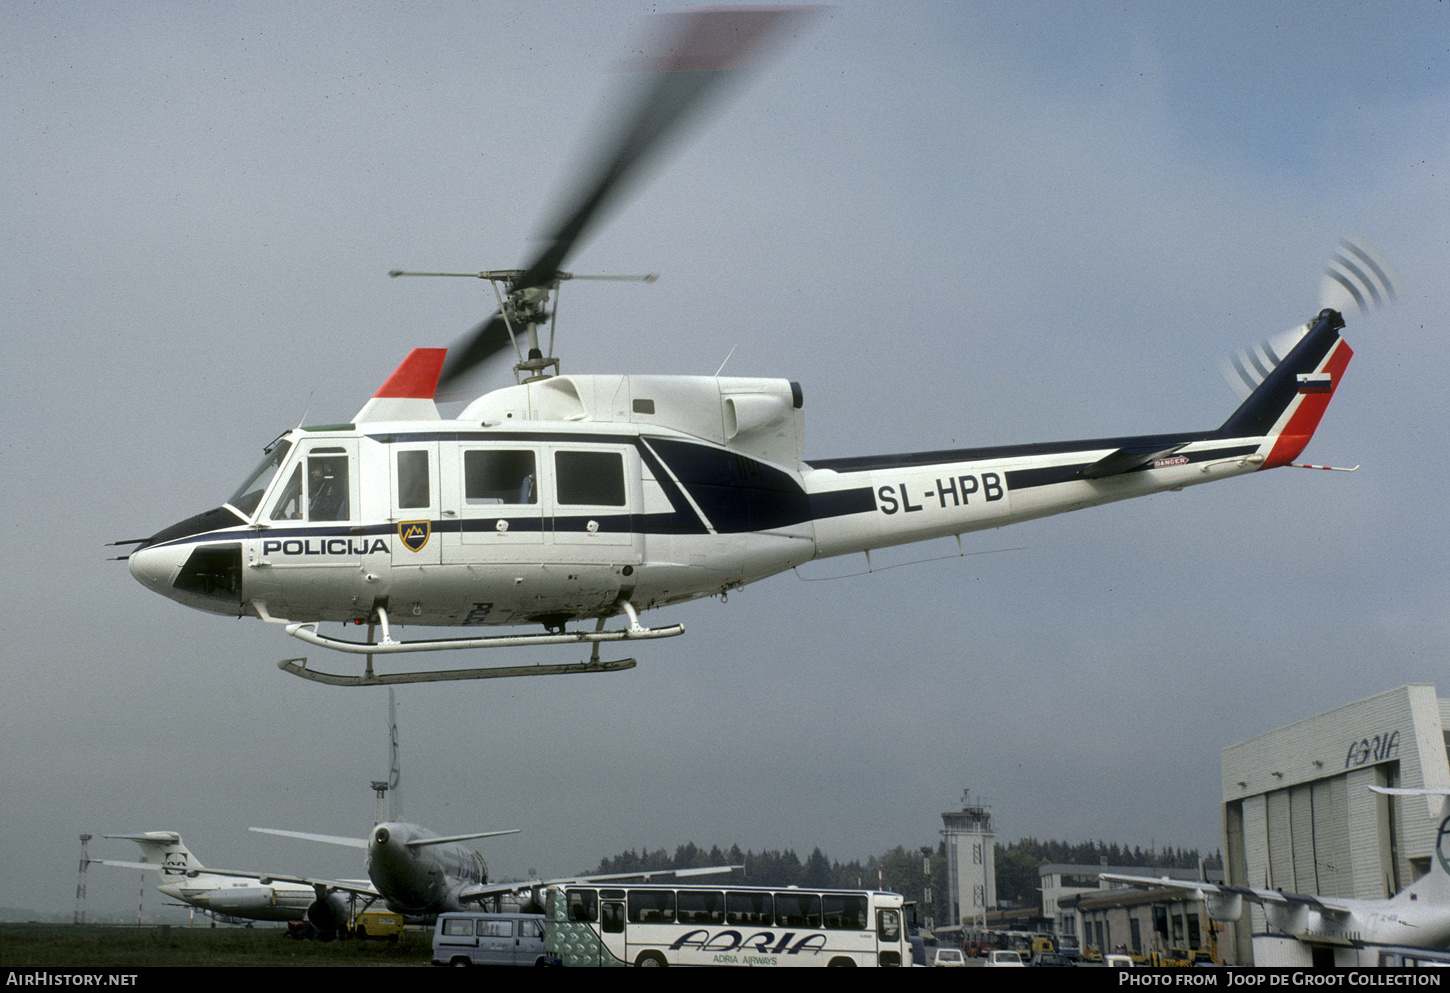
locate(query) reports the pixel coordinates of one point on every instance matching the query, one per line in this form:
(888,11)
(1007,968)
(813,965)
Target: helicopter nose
(200,573)
(156,568)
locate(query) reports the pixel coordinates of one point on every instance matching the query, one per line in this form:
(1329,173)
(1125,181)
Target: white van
(470,938)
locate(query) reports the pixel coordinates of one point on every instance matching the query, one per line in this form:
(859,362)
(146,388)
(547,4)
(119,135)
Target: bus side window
(844,912)
(697,907)
(797,910)
(749,909)
(652,906)
(583,905)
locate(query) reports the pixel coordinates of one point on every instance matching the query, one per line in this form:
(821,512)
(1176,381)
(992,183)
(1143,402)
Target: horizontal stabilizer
(327,839)
(119,864)
(1127,459)
(450,839)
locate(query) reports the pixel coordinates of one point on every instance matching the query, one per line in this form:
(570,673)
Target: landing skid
(307,631)
(298,667)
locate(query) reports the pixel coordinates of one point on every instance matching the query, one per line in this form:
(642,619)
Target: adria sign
(1376,749)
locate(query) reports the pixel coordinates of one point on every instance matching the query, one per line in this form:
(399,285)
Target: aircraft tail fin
(165,849)
(1434,886)
(1295,376)
(1287,380)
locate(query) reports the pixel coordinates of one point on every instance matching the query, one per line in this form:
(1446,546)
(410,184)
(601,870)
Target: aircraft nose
(156,568)
(201,572)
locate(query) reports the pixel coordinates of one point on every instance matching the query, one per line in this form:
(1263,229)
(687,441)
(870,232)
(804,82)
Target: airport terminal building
(1298,814)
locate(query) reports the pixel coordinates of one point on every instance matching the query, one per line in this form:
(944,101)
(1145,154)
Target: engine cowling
(328,915)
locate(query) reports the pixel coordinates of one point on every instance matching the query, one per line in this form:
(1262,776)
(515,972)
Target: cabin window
(413,487)
(494,476)
(594,479)
(458,928)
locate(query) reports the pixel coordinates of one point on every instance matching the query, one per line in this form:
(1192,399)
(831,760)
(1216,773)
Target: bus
(652,925)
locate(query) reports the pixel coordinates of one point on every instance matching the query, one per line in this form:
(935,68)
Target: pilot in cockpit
(327,494)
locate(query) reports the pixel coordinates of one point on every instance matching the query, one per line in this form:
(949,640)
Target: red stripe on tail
(1305,418)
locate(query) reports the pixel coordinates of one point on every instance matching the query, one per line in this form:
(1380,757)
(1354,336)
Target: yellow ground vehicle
(381,925)
(1179,958)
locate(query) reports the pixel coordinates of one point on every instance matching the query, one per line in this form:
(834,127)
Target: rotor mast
(524,308)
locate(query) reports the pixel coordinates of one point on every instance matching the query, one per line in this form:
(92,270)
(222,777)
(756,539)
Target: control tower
(971,865)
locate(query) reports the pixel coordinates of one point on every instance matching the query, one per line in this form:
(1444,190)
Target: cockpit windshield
(250,493)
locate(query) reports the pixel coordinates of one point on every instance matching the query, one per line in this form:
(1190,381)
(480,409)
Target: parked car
(949,957)
(1118,961)
(1051,960)
(1004,960)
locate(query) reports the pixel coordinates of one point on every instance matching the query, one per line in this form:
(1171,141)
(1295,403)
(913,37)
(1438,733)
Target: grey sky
(954,224)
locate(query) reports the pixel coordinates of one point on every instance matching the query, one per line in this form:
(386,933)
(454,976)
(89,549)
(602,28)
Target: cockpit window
(288,505)
(327,488)
(250,493)
(321,494)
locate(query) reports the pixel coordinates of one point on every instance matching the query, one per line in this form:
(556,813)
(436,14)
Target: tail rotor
(1357,280)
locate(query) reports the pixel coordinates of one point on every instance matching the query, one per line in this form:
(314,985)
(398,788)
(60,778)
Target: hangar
(1298,814)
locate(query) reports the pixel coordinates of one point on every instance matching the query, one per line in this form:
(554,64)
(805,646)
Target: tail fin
(165,849)
(1433,886)
(1293,391)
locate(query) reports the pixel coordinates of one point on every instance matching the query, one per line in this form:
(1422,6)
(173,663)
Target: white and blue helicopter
(569,499)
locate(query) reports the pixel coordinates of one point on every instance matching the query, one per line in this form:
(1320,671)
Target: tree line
(903,870)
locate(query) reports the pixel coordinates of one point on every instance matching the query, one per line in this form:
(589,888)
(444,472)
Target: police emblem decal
(414,534)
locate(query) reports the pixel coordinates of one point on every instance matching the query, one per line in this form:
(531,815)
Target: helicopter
(569,498)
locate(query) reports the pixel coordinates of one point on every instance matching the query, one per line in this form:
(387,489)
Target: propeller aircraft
(567,498)
(1337,931)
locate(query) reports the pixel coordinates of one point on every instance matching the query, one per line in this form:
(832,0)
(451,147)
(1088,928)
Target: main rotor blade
(699,52)
(472,350)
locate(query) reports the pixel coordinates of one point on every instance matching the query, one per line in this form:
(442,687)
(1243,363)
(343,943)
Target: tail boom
(859,504)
